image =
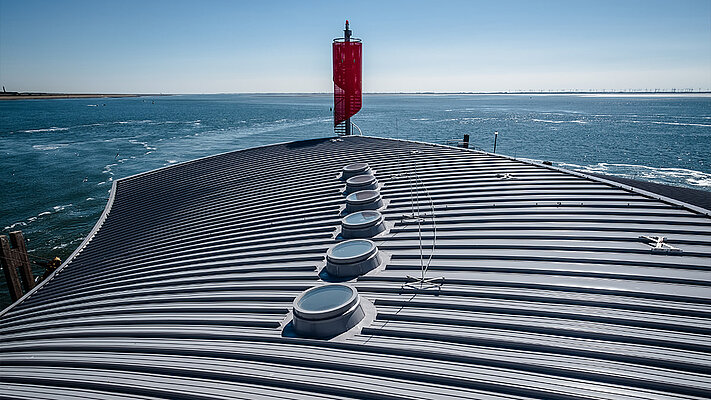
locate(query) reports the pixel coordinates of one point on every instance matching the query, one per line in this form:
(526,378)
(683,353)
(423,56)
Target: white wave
(21,223)
(171,161)
(45,147)
(108,169)
(143,121)
(62,207)
(679,123)
(32,219)
(144,144)
(576,121)
(419,119)
(270,126)
(634,171)
(52,129)
(92,105)
(90,199)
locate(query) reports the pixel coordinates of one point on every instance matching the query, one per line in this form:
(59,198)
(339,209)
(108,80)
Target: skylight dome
(362,224)
(351,258)
(354,169)
(327,311)
(363,200)
(361,182)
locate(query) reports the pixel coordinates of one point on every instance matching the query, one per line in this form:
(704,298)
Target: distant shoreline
(40,96)
(45,96)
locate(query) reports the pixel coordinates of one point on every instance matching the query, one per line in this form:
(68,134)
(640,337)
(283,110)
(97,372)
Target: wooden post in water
(12,259)
(17,240)
(465,144)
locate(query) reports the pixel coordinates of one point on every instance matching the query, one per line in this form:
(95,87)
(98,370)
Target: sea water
(58,158)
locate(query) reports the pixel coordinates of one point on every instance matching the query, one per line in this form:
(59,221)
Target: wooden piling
(8,267)
(17,240)
(465,144)
(13,257)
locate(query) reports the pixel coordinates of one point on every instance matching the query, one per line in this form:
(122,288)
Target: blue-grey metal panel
(548,291)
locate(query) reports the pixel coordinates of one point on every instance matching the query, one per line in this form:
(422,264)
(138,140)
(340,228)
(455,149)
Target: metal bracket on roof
(659,245)
(505,176)
(423,283)
(415,218)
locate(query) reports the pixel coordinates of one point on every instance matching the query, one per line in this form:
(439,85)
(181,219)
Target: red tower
(347,82)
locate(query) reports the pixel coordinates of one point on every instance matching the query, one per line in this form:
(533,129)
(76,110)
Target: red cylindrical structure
(347,83)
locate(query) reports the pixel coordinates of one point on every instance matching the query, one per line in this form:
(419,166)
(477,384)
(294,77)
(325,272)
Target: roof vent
(361,182)
(354,169)
(363,200)
(351,258)
(362,224)
(327,311)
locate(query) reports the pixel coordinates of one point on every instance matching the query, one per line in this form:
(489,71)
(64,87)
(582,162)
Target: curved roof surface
(547,289)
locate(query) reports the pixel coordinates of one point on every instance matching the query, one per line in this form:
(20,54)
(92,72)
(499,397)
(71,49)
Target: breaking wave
(52,129)
(576,121)
(664,175)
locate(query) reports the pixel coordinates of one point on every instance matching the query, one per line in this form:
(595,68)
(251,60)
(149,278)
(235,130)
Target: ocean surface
(58,158)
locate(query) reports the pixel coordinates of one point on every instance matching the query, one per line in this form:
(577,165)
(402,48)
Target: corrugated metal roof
(183,287)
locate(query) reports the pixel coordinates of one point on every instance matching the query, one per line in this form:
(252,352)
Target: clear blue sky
(273,46)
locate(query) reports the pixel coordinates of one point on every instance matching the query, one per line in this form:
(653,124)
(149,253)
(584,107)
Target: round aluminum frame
(353,169)
(354,265)
(331,320)
(373,224)
(363,200)
(361,182)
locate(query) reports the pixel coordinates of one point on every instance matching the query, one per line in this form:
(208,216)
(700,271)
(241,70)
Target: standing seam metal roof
(183,287)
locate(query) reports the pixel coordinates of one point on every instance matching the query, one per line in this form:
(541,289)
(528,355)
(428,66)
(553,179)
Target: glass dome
(361,180)
(356,167)
(362,196)
(362,218)
(325,301)
(351,251)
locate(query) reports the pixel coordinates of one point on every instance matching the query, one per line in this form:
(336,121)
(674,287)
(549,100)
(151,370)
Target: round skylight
(362,196)
(362,224)
(351,251)
(361,182)
(363,200)
(361,218)
(354,169)
(326,311)
(351,258)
